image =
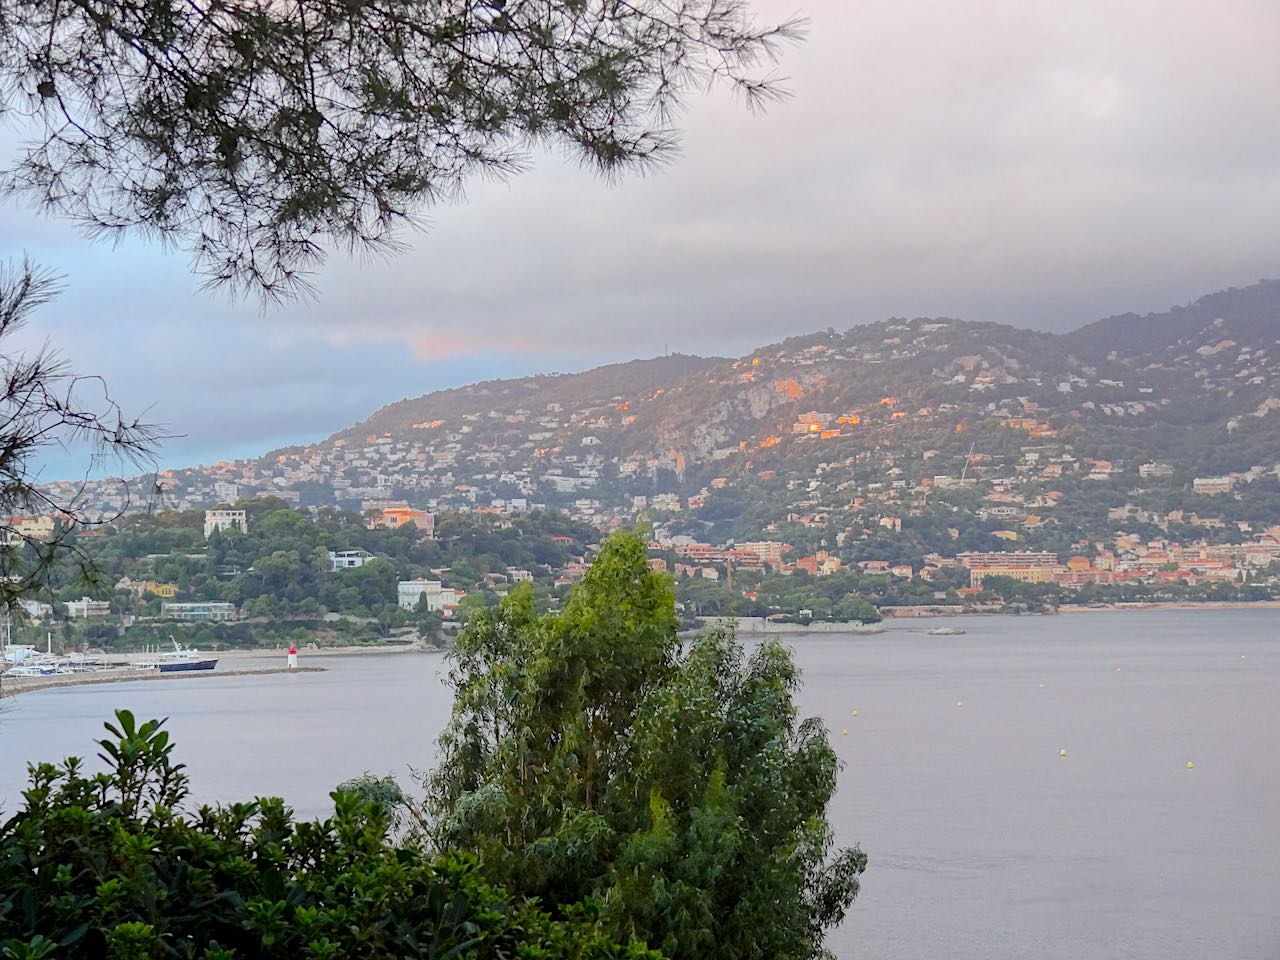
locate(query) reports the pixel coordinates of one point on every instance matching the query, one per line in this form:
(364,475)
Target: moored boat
(179,660)
(181,666)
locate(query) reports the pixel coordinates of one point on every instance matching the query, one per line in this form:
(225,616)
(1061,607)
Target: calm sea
(984,842)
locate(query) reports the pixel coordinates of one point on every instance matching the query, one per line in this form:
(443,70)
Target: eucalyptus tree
(593,754)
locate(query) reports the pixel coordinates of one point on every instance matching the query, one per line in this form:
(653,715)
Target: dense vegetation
(603,786)
(279,575)
(590,755)
(108,865)
(844,596)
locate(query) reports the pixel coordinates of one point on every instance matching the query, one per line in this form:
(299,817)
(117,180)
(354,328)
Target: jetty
(11,686)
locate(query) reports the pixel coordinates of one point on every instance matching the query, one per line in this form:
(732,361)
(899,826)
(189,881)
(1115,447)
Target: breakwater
(16,685)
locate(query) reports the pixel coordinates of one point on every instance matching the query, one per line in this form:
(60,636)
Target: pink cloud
(439,345)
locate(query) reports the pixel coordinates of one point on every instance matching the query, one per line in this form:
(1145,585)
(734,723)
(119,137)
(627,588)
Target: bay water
(984,840)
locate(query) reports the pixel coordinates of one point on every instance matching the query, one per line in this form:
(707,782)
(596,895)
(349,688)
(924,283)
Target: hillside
(631,378)
(838,430)
(1247,314)
(1195,383)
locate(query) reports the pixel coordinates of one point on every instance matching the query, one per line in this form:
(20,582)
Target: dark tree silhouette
(42,404)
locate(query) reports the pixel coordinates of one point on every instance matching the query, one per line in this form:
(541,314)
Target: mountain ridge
(1126,338)
(1251,306)
(896,402)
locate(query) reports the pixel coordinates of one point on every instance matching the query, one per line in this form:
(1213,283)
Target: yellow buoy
(1042,686)
(1190,765)
(855,713)
(959,703)
(845,731)
(1062,752)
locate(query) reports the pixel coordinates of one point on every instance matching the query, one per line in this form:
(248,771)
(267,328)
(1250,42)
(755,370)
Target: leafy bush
(592,754)
(108,866)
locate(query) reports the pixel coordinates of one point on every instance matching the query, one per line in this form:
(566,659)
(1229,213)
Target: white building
(42,528)
(84,608)
(38,610)
(348,559)
(562,484)
(769,551)
(225,520)
(205,610)
(440,599)
(1212,486)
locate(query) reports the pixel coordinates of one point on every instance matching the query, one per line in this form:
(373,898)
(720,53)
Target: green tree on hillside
(589,755)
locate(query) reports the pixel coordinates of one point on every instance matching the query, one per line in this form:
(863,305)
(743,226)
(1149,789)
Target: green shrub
(109,866)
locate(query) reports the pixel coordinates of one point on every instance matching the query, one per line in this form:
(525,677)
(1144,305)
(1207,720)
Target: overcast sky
(1036,163)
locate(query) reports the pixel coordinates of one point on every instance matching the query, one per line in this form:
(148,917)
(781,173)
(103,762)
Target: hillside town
(867,559)
(900,465)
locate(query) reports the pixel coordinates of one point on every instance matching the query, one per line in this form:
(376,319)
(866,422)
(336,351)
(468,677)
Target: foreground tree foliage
(108,866)
(589,755)
(254,132)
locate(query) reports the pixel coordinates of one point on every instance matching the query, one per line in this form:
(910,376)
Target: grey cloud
(1027,162)
(1022,162)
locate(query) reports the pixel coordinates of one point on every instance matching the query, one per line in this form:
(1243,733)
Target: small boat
(181,666)
(26,670)
(40,665)
(179,660)
(945,632)
(20,653)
